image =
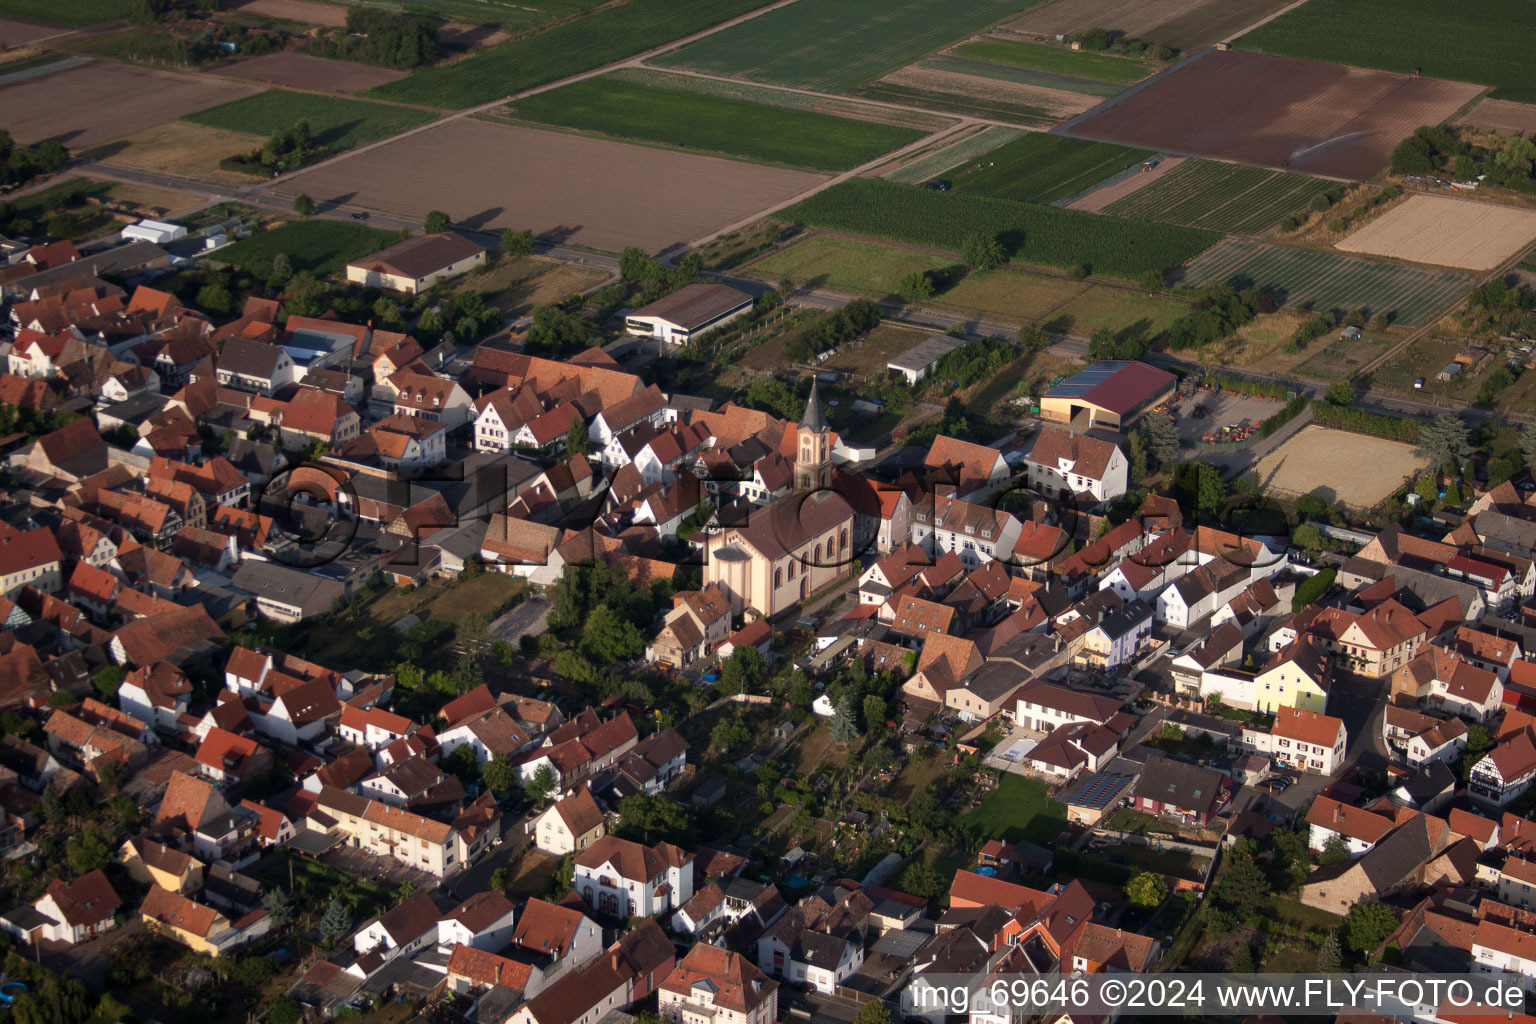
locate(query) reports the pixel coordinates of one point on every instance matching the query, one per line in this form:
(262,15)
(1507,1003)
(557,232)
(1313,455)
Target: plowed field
(1446,232)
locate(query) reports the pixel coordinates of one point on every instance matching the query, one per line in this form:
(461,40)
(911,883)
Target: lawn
(1485,42)
(66,12)
(1041,168)
(668,111)
(319,246)
(334,122)
(1059,60)
(833,45)
(828,262)
(315,884)
(1029,233)
(1018,808)
(517,285)
(603,37)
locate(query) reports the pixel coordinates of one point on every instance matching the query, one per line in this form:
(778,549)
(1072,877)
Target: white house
(407,928)
(157,695)
(1303,740)
(623,879)
(1043,706)
(1062,462)
(687,313)
(484,921)
(372,728)
(1498,948)
(416,264)
(70,912)
(1504,773)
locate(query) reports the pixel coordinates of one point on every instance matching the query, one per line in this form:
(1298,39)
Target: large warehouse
(1111,394)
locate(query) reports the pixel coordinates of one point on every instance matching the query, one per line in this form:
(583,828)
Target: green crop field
(1309,279)
(1487,42)
(335,123)
(666,109)
(955,65)
(1040,168)
(1030,233)
(601,37)
(833,45)
(953,153)
(1229,198)
(1056,60)
(74,13)
(319,246)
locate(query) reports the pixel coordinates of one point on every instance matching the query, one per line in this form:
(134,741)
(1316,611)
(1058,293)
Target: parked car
(359,216)
(937,184)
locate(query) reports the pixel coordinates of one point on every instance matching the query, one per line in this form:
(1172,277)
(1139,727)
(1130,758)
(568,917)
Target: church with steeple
(813,450)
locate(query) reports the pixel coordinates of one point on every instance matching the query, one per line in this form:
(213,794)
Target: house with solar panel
(1112,394)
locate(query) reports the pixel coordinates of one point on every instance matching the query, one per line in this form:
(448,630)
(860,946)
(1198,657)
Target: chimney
(498,972)
(615,960)
(1338,813)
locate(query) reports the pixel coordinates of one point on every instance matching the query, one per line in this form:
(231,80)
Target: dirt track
(1095,201)
(1447,232)
(87,105)
(606,195)
(304,71)
(1298,115)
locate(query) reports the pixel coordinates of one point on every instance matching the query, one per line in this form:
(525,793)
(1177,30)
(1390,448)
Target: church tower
(813,450)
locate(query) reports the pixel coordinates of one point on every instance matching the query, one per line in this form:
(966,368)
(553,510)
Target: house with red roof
(69,912)
(232,760)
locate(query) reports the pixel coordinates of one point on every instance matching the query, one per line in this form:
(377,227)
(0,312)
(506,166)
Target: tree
(437,222)
(577,442)
(982,252)
(304,206)
(499,879)
(1334,852)
(499,774)
(335,922)
(873,1012)
(215,299)
(1330,956)
(541,785)
(608,638)
(283,1011)
(1367,926)
(87,851)
(729,734)
(874,713)
(278,905)
(1162,439)
(51,805)
(916,286)
(1340,393)
(920,879)
(517,243)
(1308,537)
(1244,885)
(1146,889)
(1528,445)
(1445,441)
(844,726)
(743,671)
(108,680)
(282,269)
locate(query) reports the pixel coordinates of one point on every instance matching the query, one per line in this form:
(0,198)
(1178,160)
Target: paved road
(478,877)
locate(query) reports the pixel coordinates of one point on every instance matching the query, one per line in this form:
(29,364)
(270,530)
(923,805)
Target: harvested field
(1281,112)
(1022,76)
(989,98)
(951,153)
(20,33)
(180,147)
(1488,42)
(1185,25)
(1229,198)
(1308,279)
(153,202)
(1505,117)
(304,71)
(1359,470)
(91,104)
(589,191)
(1446,232)
(833,45)
(1101,198)
(330,15)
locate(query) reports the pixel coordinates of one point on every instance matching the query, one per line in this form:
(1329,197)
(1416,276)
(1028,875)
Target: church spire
(813,418)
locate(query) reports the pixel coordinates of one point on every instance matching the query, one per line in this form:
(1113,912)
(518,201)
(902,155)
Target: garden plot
(1230,198)
(1336,465)
(1446,232)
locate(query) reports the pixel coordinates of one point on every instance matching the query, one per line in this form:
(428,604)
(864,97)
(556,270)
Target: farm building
(1451,372)
(156,231)
(416,264)
(918,361)
(688,312)
(1112,393)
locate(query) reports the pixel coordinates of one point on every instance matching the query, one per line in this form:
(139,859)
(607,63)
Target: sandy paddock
(606,195)
(1095,201)
(1297,115)
(1339,466)
(1446,232)
(90,104)
(305,71)
(331,15)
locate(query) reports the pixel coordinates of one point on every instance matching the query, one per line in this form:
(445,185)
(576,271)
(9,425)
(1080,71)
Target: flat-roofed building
(917,362)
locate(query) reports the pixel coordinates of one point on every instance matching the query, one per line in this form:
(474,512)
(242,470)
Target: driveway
(528,618)
(88,961)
